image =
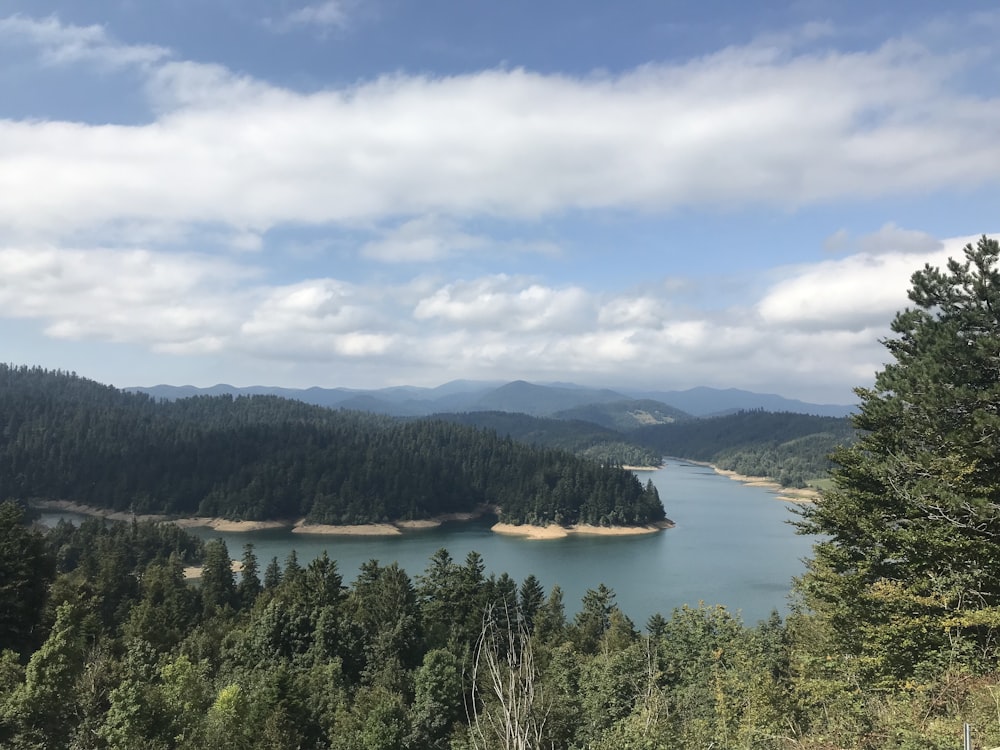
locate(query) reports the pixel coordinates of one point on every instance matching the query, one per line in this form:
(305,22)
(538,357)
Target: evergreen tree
(249,586)
(218,585)
(909,565)
(43,708)
(272,575)
(25,573)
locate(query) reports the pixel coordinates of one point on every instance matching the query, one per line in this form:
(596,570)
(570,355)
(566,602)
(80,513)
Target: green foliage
(626,415)
(382,662)
(438,703)
(43,709)
(26,569)
(790,448)
(602,443)
(262,457)
(907,571)
(218,584)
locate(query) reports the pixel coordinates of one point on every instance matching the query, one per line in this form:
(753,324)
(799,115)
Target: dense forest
(263,457)
(793,449)
(581,437)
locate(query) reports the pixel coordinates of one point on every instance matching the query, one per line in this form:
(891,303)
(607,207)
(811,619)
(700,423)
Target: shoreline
(227,525)
(797,495)
(554,531)
(395,528)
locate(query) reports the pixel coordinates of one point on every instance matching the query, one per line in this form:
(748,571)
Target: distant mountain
(519,396)
(542,400)
(625,415)
(703,402)
(331,397)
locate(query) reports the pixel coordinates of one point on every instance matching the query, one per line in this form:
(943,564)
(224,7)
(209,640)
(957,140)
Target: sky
(367,193)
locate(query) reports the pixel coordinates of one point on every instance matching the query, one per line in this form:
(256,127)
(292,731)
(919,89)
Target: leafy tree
(167,607)
(438,700)
(908,566)
(43,708)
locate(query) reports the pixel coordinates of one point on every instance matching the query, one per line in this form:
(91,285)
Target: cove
(732,545)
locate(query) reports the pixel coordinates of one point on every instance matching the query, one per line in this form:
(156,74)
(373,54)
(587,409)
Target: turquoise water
(732,545)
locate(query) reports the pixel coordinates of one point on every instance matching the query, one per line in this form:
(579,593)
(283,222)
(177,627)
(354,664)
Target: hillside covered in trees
(891,643)
(63,437)
(578,436)
(791,448)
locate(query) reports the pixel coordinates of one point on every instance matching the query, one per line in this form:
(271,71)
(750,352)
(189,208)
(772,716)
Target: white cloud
(315,319)
(819,327)
(890,238)
(62,44)
(746,126)
(432,238)
(894,239)
(166,302)
(422,240)
(328,14)
(508,304)
(855,293)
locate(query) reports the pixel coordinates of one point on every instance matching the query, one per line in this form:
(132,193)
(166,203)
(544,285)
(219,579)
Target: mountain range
(563,400)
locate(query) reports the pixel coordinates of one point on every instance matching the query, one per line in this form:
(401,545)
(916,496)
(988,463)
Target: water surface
(732,545)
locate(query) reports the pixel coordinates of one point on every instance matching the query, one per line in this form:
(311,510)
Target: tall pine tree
(908,569)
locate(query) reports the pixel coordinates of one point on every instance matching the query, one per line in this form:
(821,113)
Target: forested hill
(790,448)
(264,457)
(581,437)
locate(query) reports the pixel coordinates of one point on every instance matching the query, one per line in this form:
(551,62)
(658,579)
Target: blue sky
(338,193)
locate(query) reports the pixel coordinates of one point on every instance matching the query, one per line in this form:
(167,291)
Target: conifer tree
(908,568)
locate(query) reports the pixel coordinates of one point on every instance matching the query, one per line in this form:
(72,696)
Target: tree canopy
(263,457)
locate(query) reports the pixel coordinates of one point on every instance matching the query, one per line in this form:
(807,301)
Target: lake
(732,545)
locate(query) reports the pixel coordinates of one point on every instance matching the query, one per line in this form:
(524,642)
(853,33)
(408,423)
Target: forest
(891,640)
(64,437)
(793,449)
(581,437)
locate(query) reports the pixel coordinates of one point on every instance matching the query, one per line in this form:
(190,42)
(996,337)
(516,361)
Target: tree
(594,618)
(908,566)
(218,584)
(508,708)
(438,700)
(44,706)
(249,586)
(531,598)
(25,573)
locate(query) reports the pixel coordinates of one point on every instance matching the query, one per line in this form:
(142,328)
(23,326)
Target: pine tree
(909,566)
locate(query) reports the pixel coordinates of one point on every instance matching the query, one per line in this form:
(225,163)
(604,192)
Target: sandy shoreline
(396,528)
(786,494)
(554,531)
(195,571)
(230,526)
(222,524)
(361,529)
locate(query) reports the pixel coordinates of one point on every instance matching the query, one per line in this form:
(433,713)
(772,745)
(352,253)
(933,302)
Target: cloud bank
(93,211)
(749,125)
